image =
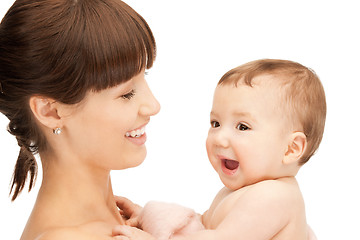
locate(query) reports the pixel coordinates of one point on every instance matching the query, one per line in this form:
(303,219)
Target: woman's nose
(150,105)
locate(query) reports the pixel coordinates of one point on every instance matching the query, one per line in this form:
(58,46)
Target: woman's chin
(135,161)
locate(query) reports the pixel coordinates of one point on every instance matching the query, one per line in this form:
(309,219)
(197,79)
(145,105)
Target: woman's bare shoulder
(89,231)
(62,233)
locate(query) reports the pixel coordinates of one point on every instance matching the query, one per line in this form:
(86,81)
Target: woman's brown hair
(62,49)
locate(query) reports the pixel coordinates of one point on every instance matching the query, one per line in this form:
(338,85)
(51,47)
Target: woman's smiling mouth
(137,136)
(136,133)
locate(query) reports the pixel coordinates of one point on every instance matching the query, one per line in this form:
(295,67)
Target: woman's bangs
(117,47)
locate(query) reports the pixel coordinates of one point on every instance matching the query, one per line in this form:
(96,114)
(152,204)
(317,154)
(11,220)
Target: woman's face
(107,130)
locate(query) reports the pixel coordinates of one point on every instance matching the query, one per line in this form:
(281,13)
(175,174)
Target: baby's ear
(45,111)
(296,148)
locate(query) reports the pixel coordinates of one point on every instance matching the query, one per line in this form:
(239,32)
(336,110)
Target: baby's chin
(232,185)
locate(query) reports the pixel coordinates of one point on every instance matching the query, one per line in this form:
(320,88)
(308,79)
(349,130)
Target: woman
(72,86)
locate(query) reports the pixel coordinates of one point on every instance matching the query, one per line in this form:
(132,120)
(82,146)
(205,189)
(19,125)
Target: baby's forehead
(265,90)
(262,94)
(263,101)
(267,83)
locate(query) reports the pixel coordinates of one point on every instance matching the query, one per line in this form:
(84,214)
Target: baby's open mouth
(230,164)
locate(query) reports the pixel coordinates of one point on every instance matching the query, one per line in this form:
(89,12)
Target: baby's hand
(123,232)
(129,210)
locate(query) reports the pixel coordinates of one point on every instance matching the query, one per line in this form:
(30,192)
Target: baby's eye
(129,95)
(215,124)
(242,127)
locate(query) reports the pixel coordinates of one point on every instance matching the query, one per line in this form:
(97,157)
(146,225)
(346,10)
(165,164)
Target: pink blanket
(165,220)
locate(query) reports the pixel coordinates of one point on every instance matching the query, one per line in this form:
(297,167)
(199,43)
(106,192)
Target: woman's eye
(129,95)
(242,127)
(215,124)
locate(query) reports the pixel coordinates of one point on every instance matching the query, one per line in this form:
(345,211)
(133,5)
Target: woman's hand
(129,210)
(122,232)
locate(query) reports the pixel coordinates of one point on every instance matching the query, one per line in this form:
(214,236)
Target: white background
(198,41)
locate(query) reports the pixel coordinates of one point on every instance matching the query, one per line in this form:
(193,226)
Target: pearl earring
(57,131)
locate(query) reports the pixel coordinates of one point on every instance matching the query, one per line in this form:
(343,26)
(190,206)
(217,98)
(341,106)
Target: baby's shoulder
(277,192)
(280,187)
(278,201)
(281,198)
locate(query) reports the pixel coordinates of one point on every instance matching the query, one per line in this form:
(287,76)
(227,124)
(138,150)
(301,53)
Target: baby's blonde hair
(304,96)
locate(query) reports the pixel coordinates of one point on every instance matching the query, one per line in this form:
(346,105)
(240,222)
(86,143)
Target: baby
(267,120)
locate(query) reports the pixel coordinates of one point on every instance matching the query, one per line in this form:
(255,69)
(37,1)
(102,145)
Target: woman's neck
(75,193)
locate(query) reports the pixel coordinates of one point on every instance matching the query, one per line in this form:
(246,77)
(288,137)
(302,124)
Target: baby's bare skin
(270,209)
(274,208)
(257,153)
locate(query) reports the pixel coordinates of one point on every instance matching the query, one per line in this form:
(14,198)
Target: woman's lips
(136,132)
(137,136)
(137,140)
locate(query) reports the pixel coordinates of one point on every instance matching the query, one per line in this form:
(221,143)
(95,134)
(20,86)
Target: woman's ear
(45,111)
(296,148)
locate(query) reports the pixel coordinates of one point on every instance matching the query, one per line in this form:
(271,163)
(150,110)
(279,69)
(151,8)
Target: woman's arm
(133,233)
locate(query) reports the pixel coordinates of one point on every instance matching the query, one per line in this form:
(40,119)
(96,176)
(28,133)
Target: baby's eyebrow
(244,114)
(213,114)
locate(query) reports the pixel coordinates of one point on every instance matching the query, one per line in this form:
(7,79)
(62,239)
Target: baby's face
(249,133)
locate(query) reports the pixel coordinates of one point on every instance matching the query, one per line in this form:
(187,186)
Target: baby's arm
(260,213)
